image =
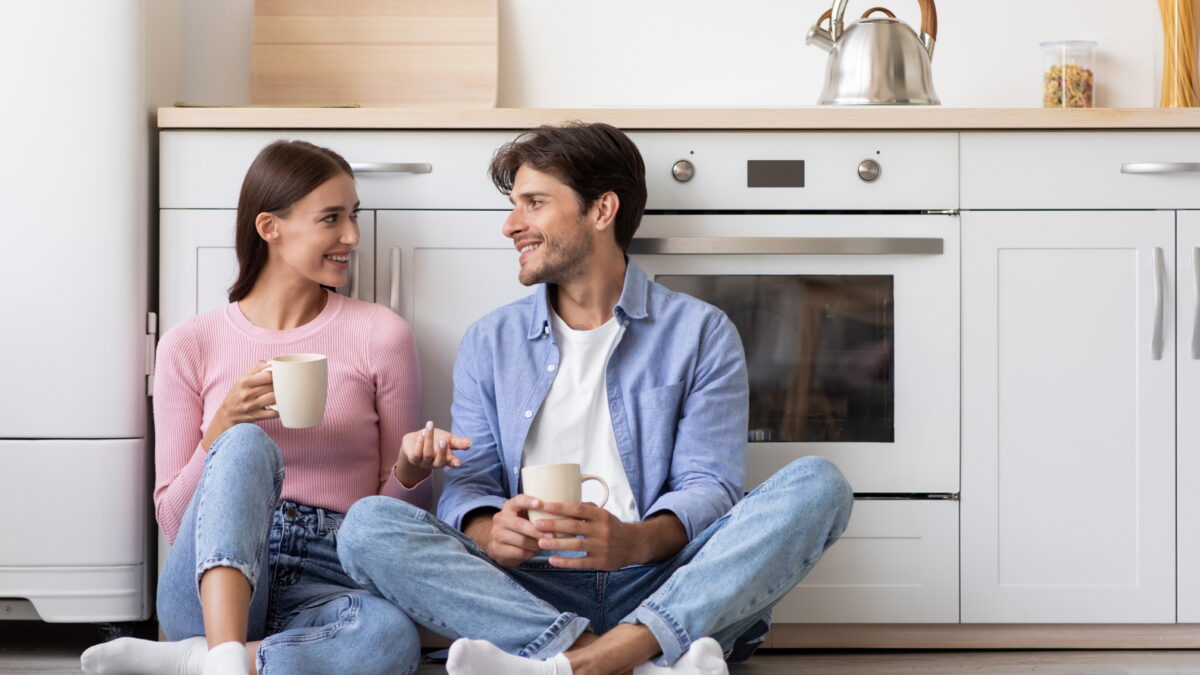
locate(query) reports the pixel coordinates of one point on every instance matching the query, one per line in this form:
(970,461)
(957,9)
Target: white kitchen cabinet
(442,271)
(1188,414)
(1068,456)
(897,562)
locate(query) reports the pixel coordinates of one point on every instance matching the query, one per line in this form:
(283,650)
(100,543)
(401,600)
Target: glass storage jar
(1068,80)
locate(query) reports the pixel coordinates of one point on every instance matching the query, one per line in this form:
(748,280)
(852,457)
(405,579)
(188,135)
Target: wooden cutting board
(374,52)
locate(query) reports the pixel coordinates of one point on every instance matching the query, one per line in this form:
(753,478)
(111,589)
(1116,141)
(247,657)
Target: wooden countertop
(826,118)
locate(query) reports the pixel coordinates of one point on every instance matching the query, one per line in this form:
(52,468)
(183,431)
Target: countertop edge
(817,118)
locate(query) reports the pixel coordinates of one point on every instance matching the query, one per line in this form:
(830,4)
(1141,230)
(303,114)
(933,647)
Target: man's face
(552,237)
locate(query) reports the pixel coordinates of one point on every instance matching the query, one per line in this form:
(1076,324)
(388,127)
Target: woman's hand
(246,401)
(424,450)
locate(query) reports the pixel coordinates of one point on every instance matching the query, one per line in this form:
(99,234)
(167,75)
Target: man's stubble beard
(562,263)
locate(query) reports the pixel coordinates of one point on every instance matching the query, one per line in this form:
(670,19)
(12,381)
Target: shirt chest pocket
(661,398)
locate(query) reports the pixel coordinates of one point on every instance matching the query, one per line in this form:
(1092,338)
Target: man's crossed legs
(720,585)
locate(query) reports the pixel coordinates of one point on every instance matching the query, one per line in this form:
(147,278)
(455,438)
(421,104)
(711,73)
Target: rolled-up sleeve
(709,457)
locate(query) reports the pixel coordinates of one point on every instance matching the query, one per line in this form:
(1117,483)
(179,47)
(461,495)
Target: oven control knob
(868,170)
(682,171)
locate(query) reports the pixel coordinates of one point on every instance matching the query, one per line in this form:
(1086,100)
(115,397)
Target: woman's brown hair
(591,159)
(282,174)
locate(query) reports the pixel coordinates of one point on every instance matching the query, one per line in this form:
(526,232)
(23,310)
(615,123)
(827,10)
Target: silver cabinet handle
(1156,342)
(1160,167)
(394,272)
(354,275)
(390,167)
(1196,320)
(786,245)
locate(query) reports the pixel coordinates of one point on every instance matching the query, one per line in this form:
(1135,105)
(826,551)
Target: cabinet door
(443,270)
(1068,486)
(198,262)
(1188,416)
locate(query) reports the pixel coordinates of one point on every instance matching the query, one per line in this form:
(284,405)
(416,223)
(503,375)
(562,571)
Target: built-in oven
(850,328)
(836,256)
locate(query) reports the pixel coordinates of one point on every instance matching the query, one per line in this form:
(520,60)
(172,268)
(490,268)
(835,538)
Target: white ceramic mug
(556,483)
(300,382)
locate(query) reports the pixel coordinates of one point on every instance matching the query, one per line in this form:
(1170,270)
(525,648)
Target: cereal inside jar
(1068,80)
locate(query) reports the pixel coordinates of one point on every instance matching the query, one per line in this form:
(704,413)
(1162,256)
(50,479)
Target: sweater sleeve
(178,416)
(393,361)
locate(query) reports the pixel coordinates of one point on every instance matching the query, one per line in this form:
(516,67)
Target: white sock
(480,657)
(227,658)
(131,656)
(704,657)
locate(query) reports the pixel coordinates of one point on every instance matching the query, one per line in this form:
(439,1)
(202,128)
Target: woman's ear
(267,225)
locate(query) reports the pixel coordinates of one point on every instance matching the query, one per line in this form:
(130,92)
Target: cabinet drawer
(1077,170)
(897,562)
(204,169)
(102,523)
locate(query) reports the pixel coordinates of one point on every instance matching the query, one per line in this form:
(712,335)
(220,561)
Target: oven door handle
(788,245)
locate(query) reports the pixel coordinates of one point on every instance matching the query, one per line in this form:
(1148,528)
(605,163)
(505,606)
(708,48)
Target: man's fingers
(581,510)
(551,526)
(517,524)
(522,502)
(516,540)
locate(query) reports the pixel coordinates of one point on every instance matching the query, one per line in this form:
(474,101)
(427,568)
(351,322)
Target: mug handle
(604,484)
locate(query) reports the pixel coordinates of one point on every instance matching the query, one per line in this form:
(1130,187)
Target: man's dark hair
(591,159)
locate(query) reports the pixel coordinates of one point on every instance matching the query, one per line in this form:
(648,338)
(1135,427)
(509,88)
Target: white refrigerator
(74,157)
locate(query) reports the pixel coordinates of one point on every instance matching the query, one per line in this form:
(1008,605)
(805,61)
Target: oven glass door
(850,325)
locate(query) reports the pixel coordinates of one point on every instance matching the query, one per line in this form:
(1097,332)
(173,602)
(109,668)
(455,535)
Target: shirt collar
(632,303)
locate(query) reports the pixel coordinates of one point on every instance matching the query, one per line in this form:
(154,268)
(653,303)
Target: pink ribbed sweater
(373,400)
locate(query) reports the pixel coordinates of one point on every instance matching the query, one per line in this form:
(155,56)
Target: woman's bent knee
(250,448)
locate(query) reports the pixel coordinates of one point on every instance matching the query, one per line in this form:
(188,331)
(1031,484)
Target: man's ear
(267,225)
(605,208)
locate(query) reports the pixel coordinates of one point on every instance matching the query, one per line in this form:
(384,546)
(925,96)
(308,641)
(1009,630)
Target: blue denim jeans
(310,616)
(723,582)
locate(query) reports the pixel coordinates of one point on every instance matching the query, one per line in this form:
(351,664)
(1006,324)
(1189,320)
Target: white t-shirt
(573,425)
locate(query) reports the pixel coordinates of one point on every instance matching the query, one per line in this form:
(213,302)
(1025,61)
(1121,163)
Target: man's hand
(609,543)
(506,535)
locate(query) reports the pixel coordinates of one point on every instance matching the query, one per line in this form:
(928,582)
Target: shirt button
(626,322)
(529,413)
(550,367)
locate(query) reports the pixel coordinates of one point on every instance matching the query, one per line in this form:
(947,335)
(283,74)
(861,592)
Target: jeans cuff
(671,636)
(249,571)
(556,639)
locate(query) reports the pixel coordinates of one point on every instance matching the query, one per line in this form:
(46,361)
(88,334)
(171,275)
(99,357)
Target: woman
(252,508)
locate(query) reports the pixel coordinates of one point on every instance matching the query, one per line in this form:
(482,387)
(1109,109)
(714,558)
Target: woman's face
(315,239)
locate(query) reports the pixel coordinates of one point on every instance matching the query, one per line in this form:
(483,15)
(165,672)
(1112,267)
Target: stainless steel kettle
(877,60)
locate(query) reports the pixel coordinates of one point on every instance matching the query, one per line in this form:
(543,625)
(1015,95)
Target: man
(640,385)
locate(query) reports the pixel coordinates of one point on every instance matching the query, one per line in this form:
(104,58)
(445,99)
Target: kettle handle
(838,11)
(885,10)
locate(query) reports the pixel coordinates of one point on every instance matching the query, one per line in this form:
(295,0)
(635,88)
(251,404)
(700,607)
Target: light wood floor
(45,649)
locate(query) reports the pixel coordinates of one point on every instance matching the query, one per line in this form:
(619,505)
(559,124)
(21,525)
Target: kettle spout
(819,37)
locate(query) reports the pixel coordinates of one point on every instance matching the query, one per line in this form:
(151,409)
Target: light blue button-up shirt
(678,396)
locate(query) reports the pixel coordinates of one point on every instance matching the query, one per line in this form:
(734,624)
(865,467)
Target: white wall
(647,53)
